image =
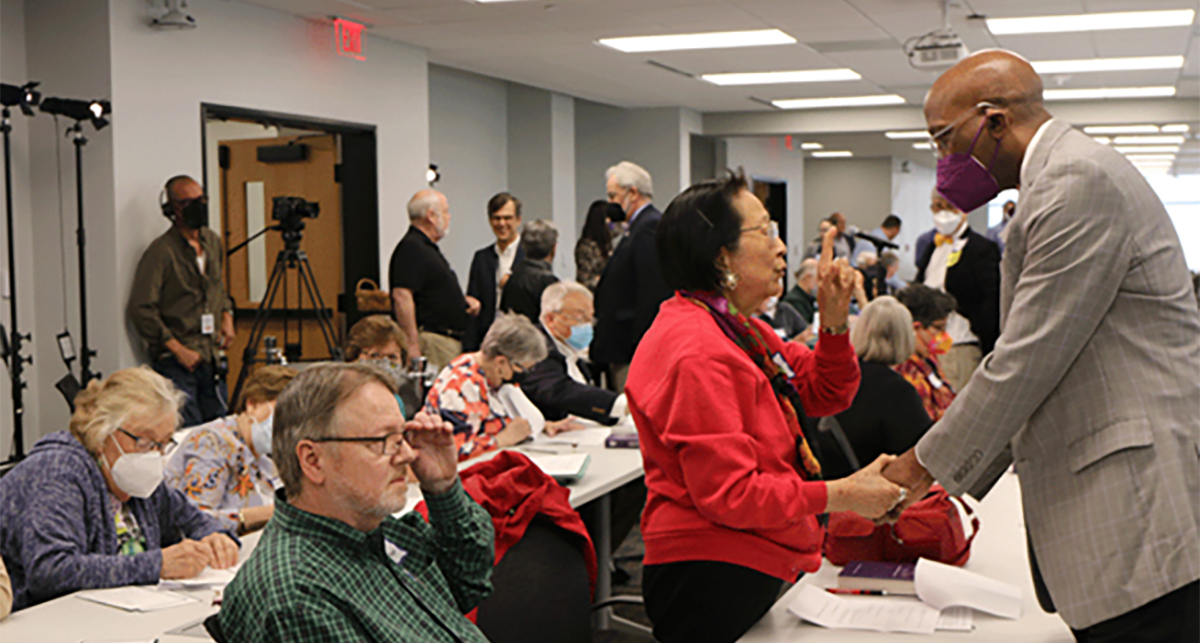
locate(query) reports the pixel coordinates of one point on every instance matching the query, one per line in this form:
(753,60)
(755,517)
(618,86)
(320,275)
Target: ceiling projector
(935,51)
(175,17)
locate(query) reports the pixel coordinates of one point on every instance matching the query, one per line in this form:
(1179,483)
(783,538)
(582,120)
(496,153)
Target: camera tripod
(290,258)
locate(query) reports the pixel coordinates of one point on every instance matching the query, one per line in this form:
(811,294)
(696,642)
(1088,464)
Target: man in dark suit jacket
(632,285)
(486,276)
(523,292)
(965,264)
(565,383)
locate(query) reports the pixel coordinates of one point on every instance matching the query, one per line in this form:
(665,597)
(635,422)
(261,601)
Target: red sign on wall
(348,37)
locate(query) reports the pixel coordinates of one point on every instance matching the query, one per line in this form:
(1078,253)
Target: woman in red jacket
(719,400)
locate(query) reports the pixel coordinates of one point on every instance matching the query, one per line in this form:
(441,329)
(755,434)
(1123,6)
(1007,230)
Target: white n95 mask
(137,474)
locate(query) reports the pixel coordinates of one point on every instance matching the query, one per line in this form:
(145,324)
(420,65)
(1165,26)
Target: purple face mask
(964,181)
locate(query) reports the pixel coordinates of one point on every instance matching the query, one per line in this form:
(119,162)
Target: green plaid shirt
(313,578)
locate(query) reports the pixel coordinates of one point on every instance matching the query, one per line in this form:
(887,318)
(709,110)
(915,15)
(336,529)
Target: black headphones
(164,202)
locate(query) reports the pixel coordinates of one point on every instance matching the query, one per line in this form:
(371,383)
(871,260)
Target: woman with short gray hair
(467,393)
(887,415)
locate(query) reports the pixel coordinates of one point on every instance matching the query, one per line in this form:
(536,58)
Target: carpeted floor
(629,558)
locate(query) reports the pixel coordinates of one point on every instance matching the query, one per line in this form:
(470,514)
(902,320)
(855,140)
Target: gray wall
(861,189)
(468,139)
(766,157)
(606,135)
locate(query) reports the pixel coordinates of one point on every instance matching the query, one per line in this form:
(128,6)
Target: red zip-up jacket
(722,470)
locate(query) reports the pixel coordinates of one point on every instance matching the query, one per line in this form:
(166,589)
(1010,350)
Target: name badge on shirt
(953,258)
(783,366)
(935,381)
(394,552)
(208,324)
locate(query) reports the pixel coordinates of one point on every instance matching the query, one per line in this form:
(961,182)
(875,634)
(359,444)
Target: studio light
(23,96)
(79,110)
(432,176)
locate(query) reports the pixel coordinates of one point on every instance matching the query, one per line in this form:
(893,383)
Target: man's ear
(313,463)
(997,122)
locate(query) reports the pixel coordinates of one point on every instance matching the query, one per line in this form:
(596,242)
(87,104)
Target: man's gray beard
(381,508)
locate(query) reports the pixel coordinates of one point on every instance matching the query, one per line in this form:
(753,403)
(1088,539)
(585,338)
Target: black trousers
(1172,618)
(206,395)
(704,601)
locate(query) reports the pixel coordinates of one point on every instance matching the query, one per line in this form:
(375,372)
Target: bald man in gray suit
(1094,385)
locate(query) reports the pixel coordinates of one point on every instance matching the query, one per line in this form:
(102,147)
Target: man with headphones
(179,306)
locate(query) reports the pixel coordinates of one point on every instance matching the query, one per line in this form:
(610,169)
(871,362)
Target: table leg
(603,561)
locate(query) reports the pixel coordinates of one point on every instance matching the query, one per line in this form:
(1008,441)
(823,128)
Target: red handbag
(931,528)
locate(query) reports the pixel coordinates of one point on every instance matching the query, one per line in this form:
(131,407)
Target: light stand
(80,111)
(86,354)
(12,347)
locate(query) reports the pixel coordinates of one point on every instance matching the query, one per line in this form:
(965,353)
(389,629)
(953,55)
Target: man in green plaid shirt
(333,564)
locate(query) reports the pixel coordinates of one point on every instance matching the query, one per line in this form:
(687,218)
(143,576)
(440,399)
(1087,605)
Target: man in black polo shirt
(428,300)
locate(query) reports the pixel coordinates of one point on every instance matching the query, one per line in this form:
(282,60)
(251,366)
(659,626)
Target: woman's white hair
(631,175)
(884,332)
(130,393)
(515,337)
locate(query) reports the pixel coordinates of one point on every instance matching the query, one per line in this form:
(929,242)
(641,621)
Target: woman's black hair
(926,304)
(595,227)
(696,226)
(500,200)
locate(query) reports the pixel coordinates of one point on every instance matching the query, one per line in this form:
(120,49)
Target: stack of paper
(134,599)
(208,579)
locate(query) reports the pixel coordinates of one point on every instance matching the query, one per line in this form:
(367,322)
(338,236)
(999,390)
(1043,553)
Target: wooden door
(245,181)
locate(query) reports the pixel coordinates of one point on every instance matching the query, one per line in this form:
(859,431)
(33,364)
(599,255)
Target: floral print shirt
(462,397)
(219,473)
(925,374)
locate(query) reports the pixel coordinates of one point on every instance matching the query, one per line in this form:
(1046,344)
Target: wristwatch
(836,330)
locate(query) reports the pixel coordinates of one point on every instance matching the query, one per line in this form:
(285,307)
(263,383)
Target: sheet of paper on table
(566,467)
(134,599)
(892,614)
(942,586)
(589,437)
(208,579)
(956,619)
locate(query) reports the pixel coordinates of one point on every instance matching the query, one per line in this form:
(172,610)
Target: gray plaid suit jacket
(1094,385)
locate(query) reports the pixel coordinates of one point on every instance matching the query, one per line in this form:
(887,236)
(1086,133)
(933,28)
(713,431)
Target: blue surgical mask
(261,434)
(581,336)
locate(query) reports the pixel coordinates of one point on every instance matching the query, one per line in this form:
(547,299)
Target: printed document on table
(208,579)
(942,586)
(590,437)
(134,598)
(892,614)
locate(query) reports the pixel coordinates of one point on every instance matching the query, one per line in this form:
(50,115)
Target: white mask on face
(946,222)
(137,474)
(261,434)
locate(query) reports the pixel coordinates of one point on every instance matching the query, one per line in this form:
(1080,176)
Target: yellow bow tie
(940,239)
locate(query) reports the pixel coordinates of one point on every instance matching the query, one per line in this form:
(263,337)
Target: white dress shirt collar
(1033,143)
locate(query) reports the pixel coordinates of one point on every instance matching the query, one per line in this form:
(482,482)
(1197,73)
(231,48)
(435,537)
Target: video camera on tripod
(290,213)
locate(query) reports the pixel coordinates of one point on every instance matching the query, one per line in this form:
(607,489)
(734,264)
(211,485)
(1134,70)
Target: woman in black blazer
(887,415)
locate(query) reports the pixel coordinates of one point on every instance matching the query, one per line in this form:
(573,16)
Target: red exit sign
(348,37)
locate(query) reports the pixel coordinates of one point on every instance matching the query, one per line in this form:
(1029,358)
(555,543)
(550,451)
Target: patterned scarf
(737,327)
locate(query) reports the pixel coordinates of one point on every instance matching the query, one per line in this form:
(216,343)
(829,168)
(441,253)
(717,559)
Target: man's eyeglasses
(938,139)
(145,445)
(387,445)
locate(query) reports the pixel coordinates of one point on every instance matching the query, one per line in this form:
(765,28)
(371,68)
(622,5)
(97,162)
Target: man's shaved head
(994,76)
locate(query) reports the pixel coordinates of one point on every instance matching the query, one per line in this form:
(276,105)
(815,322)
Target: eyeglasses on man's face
(385,445)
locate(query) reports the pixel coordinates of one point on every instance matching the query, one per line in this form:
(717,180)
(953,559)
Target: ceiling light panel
(1121,129)
(1172,129)
(1108,92)
(713,40)
(922,146)
(907,134)
(839,101)
(838,154)
(1108,64)
(1091,22)
(781,77)
(1103,140)
(1148,140)
(811,146)
(1148,149)
(1150,157)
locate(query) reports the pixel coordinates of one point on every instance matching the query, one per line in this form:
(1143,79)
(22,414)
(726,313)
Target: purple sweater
(58,536)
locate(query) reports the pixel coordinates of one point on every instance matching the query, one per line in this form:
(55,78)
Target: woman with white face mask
(224,467)
(87,508)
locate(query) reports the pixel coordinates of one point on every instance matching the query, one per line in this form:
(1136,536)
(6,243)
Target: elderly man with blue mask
(565,382)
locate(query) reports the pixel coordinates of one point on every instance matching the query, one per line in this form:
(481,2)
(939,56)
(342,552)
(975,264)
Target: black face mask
(195,214)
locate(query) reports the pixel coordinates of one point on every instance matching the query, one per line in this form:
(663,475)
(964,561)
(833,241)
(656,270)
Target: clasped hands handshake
(882,490)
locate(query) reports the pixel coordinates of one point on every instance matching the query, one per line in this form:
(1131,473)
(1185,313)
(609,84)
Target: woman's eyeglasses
(145,445)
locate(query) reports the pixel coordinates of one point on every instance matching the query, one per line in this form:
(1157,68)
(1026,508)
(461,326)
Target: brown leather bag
(370,298)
